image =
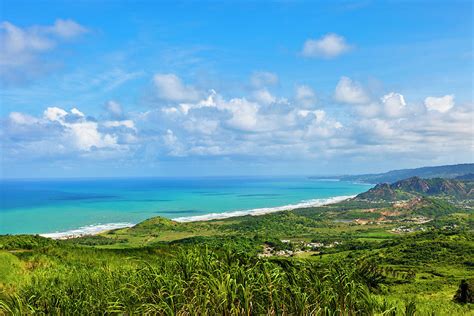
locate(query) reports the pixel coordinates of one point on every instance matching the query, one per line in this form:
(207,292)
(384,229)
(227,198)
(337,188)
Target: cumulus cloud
(329,46)
(417,136)
(55,114)
(76,112)
(394,104)
(349,91)
(184,108)
(22,48)
(440,104)
(170,87)
(241,113)
(239,126)
(245,126)
(244,114)
(60,132)
(305,96)
(83,134)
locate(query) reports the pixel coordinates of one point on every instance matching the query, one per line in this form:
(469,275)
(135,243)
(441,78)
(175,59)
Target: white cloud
(305,96)
(55,114)
(329,46)
(69,131)
(348,91)
(125,123)
(244,114)
(184,108)
(264,96)
(85,136)
(22,119)
(77,112)
(369,110)
(440,104)
(82,133)
(21,48)
(376,127)
(394,104)
(114,109)
(219,126)
(414,135)
(263,78)
(171,88)
(67,28)
(170,110)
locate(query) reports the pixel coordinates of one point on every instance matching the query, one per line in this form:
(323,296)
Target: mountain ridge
(443,171)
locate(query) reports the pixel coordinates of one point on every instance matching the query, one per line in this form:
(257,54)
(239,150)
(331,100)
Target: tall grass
(194,281)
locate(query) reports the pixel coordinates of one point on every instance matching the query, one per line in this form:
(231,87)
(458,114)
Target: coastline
(262,211)
(88,230)
(92,230)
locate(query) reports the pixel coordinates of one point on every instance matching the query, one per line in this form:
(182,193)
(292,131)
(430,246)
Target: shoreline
(89,230)
(92,230)
(264,210)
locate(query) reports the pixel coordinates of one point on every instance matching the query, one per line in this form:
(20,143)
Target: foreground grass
(194,280)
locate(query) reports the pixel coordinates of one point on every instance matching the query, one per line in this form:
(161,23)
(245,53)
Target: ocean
(77,206)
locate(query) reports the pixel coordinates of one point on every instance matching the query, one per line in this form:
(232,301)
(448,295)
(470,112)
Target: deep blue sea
(91,205)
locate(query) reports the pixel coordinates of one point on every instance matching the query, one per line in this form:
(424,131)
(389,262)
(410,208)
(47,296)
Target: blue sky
(119,88)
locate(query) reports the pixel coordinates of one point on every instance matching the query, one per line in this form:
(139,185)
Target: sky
(216,88)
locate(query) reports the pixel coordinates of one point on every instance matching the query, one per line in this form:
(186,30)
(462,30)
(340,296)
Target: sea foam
(266,210)
(86,230)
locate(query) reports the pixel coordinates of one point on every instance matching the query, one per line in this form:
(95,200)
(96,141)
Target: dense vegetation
(193,280)
(408,188)
(357,257)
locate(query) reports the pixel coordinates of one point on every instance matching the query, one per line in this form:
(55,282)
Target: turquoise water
(47,206)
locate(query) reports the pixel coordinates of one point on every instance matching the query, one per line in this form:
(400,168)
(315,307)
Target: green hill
(408,188)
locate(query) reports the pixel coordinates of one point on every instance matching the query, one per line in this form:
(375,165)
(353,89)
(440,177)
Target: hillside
(414,186)
(447,171)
